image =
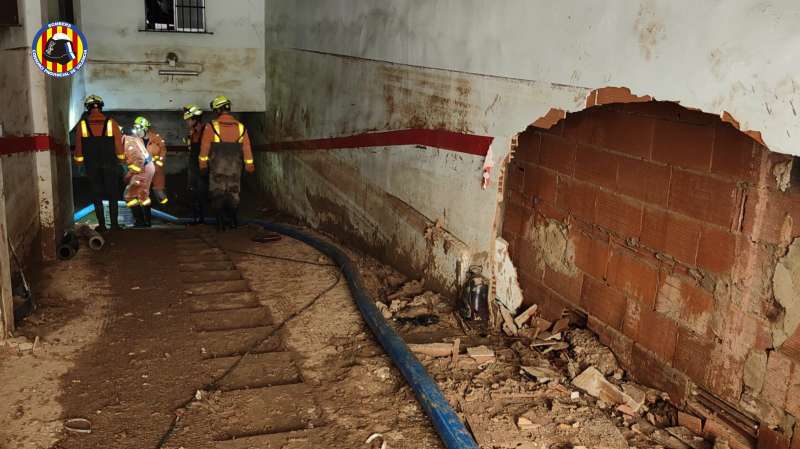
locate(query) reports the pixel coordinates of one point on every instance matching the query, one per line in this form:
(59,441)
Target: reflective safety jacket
(136,155)
(225,129)
(96,132)
(157,149)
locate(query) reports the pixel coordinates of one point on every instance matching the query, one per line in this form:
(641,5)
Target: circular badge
(59,49)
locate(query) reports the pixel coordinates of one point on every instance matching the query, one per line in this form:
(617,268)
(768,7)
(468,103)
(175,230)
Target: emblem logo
(59,49)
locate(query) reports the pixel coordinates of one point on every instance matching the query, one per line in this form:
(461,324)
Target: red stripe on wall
(437,138)
(27,144)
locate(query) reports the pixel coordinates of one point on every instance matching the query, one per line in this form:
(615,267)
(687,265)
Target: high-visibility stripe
(71,36)
(146,202)
(164,201)
(241,133)
(84,129)
(110,129)
(248,161)
(160,163)
(78,158)
(215,124)
(49,34)
(132,202)
(79,47)
(121,157)
(135,168)
(203,158)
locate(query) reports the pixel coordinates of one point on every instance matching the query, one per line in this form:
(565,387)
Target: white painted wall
(342,67)
(123,62)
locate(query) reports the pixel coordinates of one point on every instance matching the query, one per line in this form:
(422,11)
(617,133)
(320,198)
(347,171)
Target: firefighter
(198,181)
(98,145)
(138,179)
(224,149)
(158,151)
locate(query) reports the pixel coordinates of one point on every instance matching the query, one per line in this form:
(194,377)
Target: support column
(6,297)
(47,179)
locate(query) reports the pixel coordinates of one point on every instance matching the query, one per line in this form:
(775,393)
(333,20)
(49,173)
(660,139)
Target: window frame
(173,27)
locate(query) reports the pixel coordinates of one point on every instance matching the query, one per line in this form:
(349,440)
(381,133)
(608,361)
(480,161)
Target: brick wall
(669,226)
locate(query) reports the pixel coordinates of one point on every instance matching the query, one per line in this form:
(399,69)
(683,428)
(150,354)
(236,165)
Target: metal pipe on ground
(448,425)
(68,246)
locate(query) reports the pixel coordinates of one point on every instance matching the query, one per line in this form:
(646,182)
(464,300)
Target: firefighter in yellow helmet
(157,148)
(138,179)
(198,181)
(98,145)
(224,150)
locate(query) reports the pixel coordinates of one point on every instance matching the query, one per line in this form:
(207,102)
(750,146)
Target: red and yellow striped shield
(59,49)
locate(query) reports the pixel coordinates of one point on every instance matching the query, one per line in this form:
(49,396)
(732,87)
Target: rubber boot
(234,211)
(113,211)
(101,216)
(138,217)
(147,216)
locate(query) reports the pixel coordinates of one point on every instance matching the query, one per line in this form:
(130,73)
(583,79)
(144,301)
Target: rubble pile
(541,385)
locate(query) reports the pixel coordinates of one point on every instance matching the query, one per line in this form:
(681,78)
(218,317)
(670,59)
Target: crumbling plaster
(786,287)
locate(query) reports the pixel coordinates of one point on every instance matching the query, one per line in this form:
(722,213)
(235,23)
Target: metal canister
(475,296)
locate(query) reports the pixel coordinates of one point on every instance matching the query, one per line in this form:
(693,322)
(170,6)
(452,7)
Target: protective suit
(138,179)
(224,151)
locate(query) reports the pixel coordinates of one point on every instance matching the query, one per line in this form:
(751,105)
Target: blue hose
(448,425)
(445,420)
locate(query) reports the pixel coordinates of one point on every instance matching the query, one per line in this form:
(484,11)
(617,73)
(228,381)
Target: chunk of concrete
(786,285)
(594,383)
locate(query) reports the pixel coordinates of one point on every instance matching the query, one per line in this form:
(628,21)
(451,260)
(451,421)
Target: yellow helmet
(220,102)
(92,100)
(191,110)
(141,122)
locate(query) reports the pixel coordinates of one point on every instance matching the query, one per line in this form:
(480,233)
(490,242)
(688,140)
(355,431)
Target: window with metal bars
(187,16)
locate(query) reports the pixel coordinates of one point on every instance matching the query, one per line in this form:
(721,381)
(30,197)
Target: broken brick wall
(673,232)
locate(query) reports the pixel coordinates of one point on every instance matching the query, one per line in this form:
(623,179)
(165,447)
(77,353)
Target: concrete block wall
(674,233)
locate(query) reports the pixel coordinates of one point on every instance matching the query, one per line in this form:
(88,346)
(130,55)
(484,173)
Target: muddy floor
(176,338)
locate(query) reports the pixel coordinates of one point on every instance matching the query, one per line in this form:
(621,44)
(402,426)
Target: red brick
(770,216)
(619,215)
(529,258)
(703,198)
(644,180)
(513,217)
(591,254)
(541,184)
(717,250)
(735,154)
(548,210)
(672,234)
(622,132)
(628,273)
(667,110)
(649,370)
(515,173)
(685,302)
(568,287)
(596,166)
(630,322)
(691,422)
(533,291)
(555,306)
(776,381)
(528,147)
(793,394)
(791,347)
(658,334)
(683,145)
(692,354)
(771,439)
(602,301)
(724,375)
(558,153)
(577,198)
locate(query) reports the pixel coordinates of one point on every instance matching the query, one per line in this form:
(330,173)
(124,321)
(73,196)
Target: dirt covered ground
(122,344)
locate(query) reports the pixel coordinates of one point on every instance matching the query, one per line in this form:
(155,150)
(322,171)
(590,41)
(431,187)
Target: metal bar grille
(177,16)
